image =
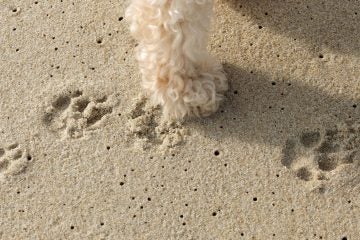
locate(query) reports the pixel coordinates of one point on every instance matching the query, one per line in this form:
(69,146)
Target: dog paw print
(149,130)
(72,115)
(318,155)
(13,160)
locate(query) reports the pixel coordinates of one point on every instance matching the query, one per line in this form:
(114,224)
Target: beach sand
(83,155)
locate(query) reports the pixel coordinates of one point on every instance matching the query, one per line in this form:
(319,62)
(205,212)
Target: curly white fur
(177,70)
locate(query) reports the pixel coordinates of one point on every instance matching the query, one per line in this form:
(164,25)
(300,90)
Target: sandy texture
(84,156)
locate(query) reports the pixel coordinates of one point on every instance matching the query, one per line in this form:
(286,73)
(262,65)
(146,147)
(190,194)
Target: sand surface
(84,156)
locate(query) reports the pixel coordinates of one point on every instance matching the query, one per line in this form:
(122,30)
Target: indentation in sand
(73,114)
(147,129)
(318,155)
(14,160)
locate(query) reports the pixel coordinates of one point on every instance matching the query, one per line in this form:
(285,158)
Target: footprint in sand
(14,160)
(318,155)
(149,130)
(71,115)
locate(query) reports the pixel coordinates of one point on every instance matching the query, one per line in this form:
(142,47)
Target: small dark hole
(120,19)
(29,157)
(72,227)
(214,214)
(108,147)
(354,106)
(102,224)
(216,153)
(122,183)
(255,199)
(321,56)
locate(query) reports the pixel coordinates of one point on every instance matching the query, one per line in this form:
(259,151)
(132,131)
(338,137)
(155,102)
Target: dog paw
(14,160)
(317,156)
(148,128)
(202,95)
(72,115)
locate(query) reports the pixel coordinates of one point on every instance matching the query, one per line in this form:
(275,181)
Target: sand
(83,155)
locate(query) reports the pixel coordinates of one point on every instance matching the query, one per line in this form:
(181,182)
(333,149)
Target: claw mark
(288,153)
(61,103)
(304,174)
(310,139)
(97,114)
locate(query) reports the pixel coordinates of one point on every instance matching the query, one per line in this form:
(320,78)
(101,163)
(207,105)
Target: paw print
(318,155)
(149,130)
(13,160)
(72,115)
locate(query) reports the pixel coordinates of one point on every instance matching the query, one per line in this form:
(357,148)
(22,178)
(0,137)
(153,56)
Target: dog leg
(177,70)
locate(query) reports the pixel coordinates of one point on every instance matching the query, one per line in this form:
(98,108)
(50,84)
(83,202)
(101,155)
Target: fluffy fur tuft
(177,70)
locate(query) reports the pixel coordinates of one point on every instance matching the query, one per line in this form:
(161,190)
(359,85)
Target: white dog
(177,70)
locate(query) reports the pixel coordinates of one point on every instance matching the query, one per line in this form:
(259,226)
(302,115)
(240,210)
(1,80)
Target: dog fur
(177,70)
